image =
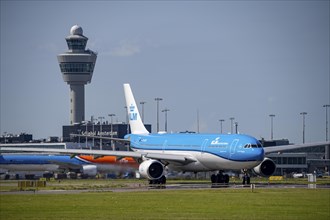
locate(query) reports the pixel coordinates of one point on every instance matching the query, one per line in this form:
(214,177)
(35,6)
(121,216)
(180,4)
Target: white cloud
(126,48)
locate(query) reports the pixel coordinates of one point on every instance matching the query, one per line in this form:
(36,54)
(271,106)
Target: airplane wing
(65,166)
(279,149)
(182,159)
(101,137)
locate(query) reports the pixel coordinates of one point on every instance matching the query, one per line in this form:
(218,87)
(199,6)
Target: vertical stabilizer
(135,122)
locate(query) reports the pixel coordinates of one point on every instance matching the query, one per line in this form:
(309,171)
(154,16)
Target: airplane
(84,164)
(187,152)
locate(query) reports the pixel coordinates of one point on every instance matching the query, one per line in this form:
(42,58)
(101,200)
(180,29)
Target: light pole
(86,123)
(231,124)
(326,122)
(221,120)
(142,104)
(79,130)
(197,121)
(157,100)
(112,145)
(93,131)
(127,121)
(303,114)
(271,126)
(165,110)
(327,153)
(100,118)
(5,136)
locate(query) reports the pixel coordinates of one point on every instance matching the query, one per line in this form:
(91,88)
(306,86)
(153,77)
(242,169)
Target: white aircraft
(86,165)
(187,152)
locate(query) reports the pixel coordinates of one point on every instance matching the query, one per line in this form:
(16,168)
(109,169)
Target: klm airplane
(187,152)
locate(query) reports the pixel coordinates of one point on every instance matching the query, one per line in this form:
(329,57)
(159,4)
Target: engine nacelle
(151,169)
(265,168)
(90,170)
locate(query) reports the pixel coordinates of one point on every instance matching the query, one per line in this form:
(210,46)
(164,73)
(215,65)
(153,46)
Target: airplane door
(164,145)
(233,146)
(204,146)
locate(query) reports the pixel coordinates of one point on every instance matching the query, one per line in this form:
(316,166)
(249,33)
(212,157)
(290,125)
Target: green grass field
(171,204)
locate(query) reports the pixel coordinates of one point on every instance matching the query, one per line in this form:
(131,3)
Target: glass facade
(81,68)
(289,160)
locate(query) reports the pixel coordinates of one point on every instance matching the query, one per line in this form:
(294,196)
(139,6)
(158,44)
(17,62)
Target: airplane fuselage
(210,151)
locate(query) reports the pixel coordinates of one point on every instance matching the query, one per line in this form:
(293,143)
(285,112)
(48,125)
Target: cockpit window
(258,145)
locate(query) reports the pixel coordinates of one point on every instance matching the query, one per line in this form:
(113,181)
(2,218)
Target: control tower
(77,66)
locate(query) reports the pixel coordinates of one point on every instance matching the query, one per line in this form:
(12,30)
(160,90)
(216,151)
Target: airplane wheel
(220,177)
(248,180)
(213,178)
(162,180)
(226,178)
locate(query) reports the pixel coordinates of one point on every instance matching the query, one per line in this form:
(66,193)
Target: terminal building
(305,160)
(20,138)
(116,130)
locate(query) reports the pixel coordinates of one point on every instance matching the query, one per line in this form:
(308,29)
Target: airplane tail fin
(135,121)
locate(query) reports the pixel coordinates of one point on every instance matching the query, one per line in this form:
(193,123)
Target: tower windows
(80,68)
(76,44)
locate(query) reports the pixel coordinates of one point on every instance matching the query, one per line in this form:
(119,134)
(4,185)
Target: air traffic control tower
(77,66)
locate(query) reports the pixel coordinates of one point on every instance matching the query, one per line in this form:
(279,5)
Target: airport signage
(99,133)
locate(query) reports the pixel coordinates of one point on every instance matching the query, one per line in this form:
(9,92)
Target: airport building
(20,138)
(116,130)
(306,160)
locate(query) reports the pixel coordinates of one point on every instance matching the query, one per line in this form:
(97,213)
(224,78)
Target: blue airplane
(187,151)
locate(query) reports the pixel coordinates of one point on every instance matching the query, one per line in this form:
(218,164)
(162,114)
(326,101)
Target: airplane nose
(260,153)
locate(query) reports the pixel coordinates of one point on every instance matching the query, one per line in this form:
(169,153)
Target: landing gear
(220,178)
(246,178)
(161,180)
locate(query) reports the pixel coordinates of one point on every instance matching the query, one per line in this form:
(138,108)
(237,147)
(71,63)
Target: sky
(222,59)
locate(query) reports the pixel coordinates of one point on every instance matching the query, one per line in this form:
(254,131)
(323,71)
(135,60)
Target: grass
(171,204)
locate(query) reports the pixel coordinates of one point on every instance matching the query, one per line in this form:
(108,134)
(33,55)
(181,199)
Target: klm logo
(132,116)
(216,141)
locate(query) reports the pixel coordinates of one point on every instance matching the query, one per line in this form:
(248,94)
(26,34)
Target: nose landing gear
(246,178)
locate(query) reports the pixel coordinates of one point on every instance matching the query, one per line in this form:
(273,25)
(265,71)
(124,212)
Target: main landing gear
(161,180)
(220,178)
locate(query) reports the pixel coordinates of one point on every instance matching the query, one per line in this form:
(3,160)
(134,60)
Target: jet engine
(90,170)
(151,169)
(265,168)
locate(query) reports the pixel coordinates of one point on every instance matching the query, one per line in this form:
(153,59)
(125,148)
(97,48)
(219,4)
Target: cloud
(125,48)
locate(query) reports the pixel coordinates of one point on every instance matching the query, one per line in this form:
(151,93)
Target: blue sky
(242,59)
